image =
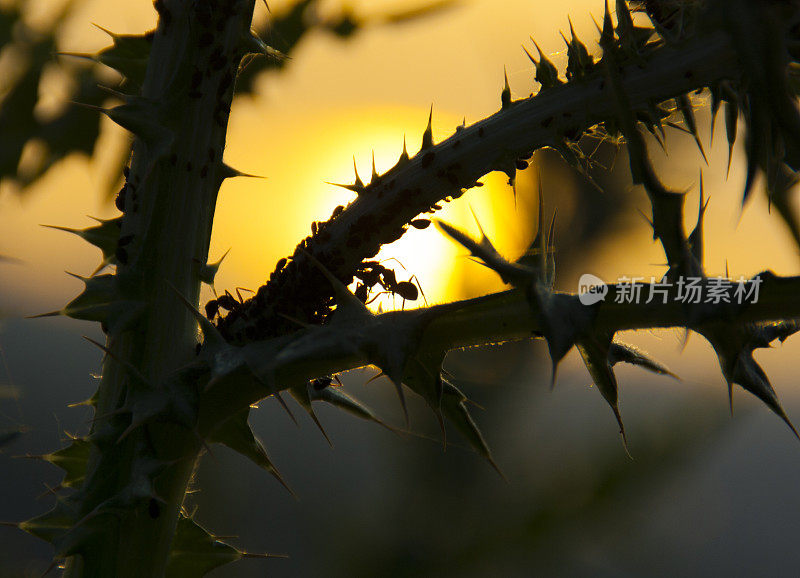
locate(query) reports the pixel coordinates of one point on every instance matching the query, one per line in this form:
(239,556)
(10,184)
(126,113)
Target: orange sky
(336,100)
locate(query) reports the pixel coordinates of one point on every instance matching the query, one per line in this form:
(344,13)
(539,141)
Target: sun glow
(315,151)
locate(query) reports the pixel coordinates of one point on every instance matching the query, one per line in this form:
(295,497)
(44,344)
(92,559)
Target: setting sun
(317,150)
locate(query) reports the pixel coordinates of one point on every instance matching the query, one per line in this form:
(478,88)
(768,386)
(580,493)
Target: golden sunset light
(594,373)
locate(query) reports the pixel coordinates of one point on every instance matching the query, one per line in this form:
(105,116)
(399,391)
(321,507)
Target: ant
(372,273)
(226,302)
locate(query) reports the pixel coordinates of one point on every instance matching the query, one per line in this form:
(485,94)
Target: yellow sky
(338,100)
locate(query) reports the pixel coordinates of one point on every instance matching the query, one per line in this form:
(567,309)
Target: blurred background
(705,493)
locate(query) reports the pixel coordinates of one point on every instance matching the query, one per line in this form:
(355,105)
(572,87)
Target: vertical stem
(135,486)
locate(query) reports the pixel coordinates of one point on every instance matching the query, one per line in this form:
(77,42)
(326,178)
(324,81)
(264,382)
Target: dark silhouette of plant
(164,398)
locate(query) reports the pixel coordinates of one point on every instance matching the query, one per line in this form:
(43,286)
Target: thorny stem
(175,174)
(381,212)
(506,316)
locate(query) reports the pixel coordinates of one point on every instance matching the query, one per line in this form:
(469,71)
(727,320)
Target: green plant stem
(176,169)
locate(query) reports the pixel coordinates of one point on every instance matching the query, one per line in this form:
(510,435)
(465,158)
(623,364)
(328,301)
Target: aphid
(337,211)
(119,202)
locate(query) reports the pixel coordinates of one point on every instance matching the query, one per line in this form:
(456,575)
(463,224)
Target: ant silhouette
(372,273)
(226,302)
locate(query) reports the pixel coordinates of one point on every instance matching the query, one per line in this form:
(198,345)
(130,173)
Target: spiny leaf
(396,345)
(563,319)
(237,434)
(357,187)
(253,44)
(696,236)
(101,301)
(427,136)
(375,176)
(734,345)
(540,255)
(302,395)
(505,96)
(128,55)
(546,72)
(625,353)
(757,143)
(337,397)
(624,19)
(195,551)
(73,459)
(716,102)
(607,33)
(208,271)
(485,251)
(404,158)
(226,171)
(579,62)
(685,106)
(594,350)
(104,236)
(731,120)
(455,409)
(54,524)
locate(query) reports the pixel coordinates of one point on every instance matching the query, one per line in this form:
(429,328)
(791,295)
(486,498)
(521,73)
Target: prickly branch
(555,117)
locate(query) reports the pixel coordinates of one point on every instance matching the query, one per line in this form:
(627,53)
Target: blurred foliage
(75,129)
(532,528)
